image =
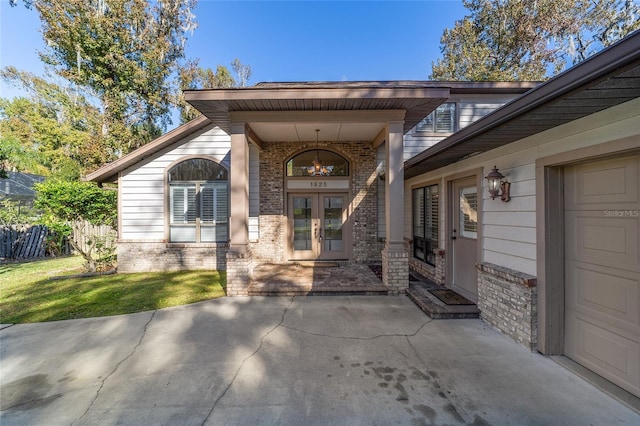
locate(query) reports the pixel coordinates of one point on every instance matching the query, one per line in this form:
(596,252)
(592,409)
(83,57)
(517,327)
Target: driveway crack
(330,336)
(104,380)
(251,355)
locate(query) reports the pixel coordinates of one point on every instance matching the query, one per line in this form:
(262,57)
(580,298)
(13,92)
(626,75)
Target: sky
(284,40)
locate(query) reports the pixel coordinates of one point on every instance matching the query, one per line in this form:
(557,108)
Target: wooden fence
(30,241)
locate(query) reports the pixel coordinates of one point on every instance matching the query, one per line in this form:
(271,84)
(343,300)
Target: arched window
(199,202)
(317,163)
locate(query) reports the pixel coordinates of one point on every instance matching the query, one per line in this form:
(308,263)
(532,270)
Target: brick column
(239,255)
(395,260)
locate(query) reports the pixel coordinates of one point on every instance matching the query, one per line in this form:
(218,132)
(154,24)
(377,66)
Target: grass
(27,294)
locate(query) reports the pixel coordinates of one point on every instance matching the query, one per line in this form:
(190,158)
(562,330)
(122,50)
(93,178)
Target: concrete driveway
(291,361)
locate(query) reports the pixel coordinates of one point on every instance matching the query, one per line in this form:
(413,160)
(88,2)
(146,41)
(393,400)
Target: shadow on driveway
(303,360)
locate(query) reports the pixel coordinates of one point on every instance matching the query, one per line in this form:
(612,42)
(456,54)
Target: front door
(317,226)
(464,208)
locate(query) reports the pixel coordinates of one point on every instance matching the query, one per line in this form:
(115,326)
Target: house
(238,187)
(18,187)
(394,173)
(557,267)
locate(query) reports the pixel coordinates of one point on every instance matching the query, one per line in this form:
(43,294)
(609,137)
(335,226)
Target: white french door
(318,226)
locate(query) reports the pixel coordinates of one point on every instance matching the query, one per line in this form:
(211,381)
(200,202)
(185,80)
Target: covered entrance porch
(282,215)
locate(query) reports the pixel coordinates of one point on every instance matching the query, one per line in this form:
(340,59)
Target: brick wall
(273,222)
(158,257)
(507,300)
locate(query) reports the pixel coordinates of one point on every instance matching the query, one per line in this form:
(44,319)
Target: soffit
(219,104)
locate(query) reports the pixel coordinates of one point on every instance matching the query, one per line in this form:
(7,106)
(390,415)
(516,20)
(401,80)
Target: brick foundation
(508,301)
(161,257)
(434,273)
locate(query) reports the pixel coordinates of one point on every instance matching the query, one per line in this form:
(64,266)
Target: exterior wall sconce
(498,186)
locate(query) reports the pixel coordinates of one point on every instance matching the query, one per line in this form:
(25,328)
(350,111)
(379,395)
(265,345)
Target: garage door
(602,268)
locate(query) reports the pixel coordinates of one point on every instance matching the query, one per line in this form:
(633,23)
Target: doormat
(450,297)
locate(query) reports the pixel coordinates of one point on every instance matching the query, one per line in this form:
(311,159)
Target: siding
(509,229)
(142,198)
(470,109)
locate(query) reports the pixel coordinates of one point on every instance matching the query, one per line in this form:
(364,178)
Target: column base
(395,269)
(239,263)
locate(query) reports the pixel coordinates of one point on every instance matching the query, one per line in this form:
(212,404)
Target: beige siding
(470,109)
(509,234)
(142,198)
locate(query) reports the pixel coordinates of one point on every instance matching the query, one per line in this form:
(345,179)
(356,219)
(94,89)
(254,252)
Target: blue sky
(286,40)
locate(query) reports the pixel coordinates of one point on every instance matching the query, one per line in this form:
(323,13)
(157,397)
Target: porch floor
(335,278)
(317,279)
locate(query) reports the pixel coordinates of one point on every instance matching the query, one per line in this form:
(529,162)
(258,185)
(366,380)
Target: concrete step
(435,308)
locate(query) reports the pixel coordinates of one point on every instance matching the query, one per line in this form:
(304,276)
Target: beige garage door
(602,268)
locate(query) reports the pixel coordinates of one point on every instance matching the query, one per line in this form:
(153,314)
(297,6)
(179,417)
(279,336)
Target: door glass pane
(332,228)
(468,212)
(302,223)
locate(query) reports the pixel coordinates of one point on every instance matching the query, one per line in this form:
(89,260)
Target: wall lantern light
(498,186)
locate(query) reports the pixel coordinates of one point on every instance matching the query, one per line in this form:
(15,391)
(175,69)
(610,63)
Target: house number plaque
(318,184)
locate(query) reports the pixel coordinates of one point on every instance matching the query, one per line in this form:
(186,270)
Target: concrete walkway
(356,360)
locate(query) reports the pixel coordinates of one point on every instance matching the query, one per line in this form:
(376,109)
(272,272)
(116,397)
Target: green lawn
(28,295)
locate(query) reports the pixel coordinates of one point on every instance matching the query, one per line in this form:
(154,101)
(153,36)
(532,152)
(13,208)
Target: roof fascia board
(111,170)
(257,93)
(342,116)
(590,70)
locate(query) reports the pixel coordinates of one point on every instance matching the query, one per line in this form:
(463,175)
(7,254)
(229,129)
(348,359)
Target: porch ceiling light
(316,169)
(498,186)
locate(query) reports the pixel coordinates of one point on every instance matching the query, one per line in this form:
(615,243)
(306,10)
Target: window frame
(419,130)
(199,223)
(428,215)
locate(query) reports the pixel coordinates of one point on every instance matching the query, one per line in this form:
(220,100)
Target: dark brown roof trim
(109,173)
(458,87)
(613,60)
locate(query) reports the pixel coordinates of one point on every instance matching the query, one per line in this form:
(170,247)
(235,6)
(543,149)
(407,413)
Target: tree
(15,157)
(123,52)
(604,23)
(58,129)
(242,71)
(69,205)
(192,76)
(512,40)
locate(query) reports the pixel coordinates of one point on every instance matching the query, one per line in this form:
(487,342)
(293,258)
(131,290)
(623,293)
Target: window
(199,202)
(442,120)
(332,164)
(425,223)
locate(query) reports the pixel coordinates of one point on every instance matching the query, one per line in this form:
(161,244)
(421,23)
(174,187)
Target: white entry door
(602,268)
(318,226)
(465,220)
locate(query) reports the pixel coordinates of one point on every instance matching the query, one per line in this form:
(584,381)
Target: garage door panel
(595,238)
(608,294)
(608,184)
(611,355)
(602,268)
